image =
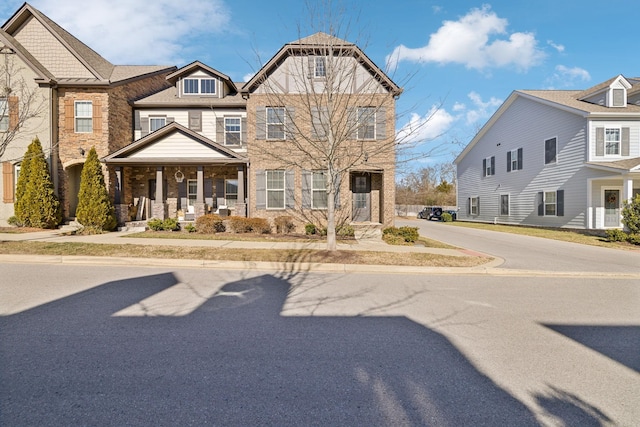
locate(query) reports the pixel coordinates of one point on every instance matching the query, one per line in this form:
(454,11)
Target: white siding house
(555,158)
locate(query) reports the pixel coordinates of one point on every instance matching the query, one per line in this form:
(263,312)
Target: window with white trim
(231,192)
(489,166)
(549,201)
(319,190)
(192,192)
(199,86)
(320,67)
(366,123)
(474,206)
(83,115)
(156,123)
(4,115)
(504,204)
(275,187)
(550,151)
(275,123)
(232,130)
(612,141)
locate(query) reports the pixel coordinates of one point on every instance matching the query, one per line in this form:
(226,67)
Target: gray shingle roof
(569,98)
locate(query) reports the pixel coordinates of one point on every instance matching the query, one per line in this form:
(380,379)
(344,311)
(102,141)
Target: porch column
(241,205)
(158,204)
(122,211)
(118,186)
(200,207)
(627,192)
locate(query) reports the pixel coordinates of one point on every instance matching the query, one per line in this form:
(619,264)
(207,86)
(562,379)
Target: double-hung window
(550,203)
(199,86)
(275,123)
(275,189)
(232,130)
(366,123)
(489,166)
(83,116)
(319,190)
(474,205)
(231,192)
(156,123)
(4,115)
(320,67)
(514,160)
(612,141)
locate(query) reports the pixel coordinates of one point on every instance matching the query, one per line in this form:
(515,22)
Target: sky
(457,61)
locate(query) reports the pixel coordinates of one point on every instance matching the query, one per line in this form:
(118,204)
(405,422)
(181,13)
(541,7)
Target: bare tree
(19,101)
(338,112)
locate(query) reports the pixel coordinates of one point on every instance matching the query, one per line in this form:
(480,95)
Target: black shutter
(540,203)
(560,203)
(478,205)
(508,161)
(519,158)
(484,167)
(182,195)
(208,191)
(493,165)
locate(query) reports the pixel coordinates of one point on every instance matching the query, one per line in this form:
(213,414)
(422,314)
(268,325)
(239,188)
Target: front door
(361,190)
(612,208)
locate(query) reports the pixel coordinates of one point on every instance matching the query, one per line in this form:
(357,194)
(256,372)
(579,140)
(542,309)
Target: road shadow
(235,361)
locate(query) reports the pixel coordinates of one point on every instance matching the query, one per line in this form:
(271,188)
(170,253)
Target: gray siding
(526,124)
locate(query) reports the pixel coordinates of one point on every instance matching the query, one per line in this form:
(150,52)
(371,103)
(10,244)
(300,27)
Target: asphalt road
(107,346)
(531,253)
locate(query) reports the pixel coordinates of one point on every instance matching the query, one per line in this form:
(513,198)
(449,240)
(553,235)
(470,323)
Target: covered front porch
(607,194)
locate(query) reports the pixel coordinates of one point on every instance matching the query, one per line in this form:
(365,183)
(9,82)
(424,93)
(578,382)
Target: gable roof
(8,42)
(322,42)
(104,72)
(195,65)
(626,165)
(126,154)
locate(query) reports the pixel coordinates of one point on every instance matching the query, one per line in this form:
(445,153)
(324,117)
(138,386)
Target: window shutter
(208,191)
(144,126)
(540,203)
(13,112)
(493,165)
(69,115)
(478,204)
(338,181)
(220,200)
(261,123)
(625,142)
(182,195)
(381,122)
(519,158)
(289,189)
(136,121)
(7,182)
(307,176)
(311,66)
(261,189)
(317,131)
(97,116)
(469,206)
(508,161)
(560,203)
(195,120)
(243,130)
(484,167)
(599,141)
(220,130)
(289,122)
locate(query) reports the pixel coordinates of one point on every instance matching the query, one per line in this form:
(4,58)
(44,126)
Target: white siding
(177,146)
(526,124)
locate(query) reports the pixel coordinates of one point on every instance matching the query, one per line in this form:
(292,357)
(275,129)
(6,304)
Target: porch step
(134,226)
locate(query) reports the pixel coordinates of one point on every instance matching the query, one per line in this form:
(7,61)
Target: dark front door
(361,191)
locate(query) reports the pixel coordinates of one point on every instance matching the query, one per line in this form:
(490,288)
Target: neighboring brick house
(86,101)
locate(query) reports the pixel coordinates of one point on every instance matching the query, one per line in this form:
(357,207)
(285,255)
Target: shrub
(408,234)
(13,220)
(209,224)
(631,215)
(345,231)
(94,206)
(155,224)
(170,224)
(190,227)
(616,235)
(37,204)
(260,225)
(284,224)
(446,217)
(634,239)
(239,224)
(310,228)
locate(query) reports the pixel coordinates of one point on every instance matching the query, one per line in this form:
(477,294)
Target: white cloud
(135,32)
(425,128)
(480,110)
(472,41)
(566,77)
(558,47)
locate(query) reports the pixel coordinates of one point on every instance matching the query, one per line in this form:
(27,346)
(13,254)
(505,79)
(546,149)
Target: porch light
(179,176)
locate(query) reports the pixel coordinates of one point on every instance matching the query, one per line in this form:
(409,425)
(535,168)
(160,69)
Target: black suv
(435,212)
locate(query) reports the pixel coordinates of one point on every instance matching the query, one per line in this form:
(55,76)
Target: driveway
(530,253)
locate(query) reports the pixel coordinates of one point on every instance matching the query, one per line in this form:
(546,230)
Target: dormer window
(199,86)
